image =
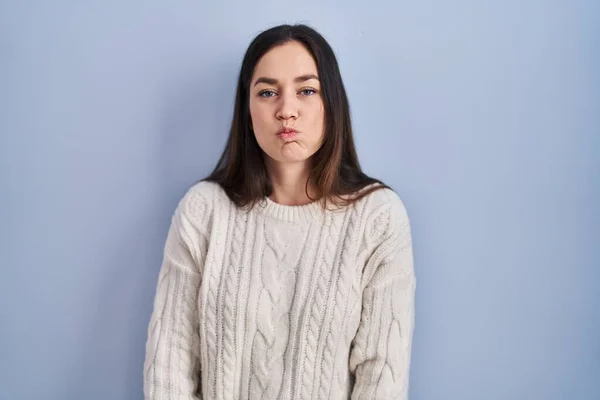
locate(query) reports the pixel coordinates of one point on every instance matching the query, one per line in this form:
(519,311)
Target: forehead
(286,61)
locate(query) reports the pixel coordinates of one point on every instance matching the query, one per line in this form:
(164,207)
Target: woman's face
(285,97)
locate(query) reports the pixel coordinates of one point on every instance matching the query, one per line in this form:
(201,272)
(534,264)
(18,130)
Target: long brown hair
(336,173)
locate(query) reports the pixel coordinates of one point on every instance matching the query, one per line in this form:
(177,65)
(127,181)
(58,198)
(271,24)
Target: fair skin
(285,92)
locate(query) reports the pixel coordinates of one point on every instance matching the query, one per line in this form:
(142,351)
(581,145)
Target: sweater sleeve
(381,351)
(172,364)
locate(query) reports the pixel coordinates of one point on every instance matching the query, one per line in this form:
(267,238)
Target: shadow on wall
(191,136)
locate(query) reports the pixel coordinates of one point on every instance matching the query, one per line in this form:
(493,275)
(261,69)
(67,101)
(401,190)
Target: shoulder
(198,203)
(386,214)
(386,201)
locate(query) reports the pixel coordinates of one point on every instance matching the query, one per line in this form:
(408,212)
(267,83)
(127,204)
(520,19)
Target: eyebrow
(273,81)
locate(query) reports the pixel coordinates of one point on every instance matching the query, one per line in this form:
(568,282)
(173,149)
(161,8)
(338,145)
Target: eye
(266,93)
(308,91)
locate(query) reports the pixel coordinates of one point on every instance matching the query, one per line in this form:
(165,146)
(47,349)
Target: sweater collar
(304,213)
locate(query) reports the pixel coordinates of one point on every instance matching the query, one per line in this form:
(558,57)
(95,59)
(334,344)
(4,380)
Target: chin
(289,159)
(283,157)
(290,154)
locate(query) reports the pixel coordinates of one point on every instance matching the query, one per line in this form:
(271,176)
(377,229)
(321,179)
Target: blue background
(484,117)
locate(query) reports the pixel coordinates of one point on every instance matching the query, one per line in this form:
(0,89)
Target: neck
(289,183)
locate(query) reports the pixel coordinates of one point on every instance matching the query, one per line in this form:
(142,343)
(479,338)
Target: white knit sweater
(283,302)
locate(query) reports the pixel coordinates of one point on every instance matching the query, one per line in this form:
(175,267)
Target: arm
(381,352)
(172,364)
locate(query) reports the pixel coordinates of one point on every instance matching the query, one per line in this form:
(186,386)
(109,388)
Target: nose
(288,107)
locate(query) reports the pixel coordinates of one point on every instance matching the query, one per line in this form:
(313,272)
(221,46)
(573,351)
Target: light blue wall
(485,118)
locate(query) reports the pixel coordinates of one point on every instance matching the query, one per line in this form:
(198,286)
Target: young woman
(288,272)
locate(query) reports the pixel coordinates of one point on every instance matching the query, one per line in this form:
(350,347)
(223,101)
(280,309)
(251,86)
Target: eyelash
(262,92)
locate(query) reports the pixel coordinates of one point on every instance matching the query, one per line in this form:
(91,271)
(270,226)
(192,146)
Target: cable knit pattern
(320,297)
(174,320)
(229,310)
(210,313)
(278,275)
(282,302)
(342,285)
(375,228)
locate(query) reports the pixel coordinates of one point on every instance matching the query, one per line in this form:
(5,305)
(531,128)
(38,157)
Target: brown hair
(336,173)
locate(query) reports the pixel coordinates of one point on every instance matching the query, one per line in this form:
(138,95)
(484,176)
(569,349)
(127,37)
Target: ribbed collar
(305,213)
